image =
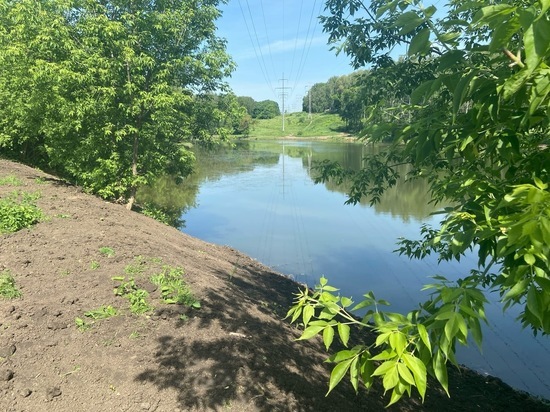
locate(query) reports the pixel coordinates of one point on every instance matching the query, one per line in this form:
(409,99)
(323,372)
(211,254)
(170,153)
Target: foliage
(107,251)
(172,287)
(136,296)
(10,180)
(103,312)
(103,92)
(18,211)
(82,325)
(476,127)
(8,289)
(266,109)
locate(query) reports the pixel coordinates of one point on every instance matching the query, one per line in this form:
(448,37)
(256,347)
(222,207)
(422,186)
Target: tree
(248,103)
(104,90)
(266,109)
(479,134)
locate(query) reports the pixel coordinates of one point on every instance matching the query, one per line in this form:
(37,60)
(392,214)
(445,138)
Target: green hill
(298,125)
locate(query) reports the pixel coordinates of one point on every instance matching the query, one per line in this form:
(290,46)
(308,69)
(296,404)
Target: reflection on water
(259,197)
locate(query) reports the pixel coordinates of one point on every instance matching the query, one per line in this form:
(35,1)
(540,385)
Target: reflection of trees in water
(408,200)
(175,197)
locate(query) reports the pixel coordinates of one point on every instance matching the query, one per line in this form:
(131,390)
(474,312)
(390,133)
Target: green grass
(10,180)
(8,290)
(298,125)
(18,211)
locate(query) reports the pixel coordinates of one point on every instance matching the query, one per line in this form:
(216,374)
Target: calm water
(260,199)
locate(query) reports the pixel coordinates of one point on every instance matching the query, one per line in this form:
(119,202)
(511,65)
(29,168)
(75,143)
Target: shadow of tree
(237,350)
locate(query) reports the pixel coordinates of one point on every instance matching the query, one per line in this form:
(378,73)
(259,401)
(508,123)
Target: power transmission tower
(283,95)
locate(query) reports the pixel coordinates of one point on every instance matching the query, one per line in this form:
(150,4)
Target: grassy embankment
(299,125)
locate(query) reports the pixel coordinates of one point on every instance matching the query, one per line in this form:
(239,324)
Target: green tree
(479,134)
(266,109)
(248,103)
(103,91)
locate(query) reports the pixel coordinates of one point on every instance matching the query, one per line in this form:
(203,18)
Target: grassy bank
(298,125)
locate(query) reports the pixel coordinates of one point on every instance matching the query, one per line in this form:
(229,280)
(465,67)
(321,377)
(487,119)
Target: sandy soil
(235,353)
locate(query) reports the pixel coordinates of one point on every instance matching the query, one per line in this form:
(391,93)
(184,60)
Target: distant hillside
(299,125)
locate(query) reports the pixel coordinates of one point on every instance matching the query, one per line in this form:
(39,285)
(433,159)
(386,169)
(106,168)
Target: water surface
(260,198)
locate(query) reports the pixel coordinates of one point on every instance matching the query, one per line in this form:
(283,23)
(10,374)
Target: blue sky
(269,39)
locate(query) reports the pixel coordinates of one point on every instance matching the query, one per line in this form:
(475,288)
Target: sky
(280,48)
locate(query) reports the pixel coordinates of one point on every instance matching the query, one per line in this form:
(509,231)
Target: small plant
(137,267)
(172,287)
(104,312)
(65,272)
(8,290)
(19,211)
(94,265)
(40,181)
(136,296)
(106,251)
(10,180)
(135,335)
(82,325)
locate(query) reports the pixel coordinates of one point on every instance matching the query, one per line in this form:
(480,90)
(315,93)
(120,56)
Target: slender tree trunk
(133,189)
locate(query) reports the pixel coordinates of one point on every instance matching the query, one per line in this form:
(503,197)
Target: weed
(82,325)
(135,335)
(137,267)
(106,251)
(65,272)
(136,296)
(138,301)
(8,290)
(10,180)
(18,211)
(63,216)
(94,265)
(103,312)
(172,287)
(74,370)
(183,317)
(40,181)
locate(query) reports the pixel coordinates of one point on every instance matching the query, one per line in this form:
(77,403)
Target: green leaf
(424,336)
(529,259)
(328,336)
(405,373)
(534,303)
(307,313)
(346,301)
(384,368)
(391,377)
(420,43)
(419,372)
(310,332)
(338,373)
(367,369)
(344,332)
(408,22)
(440,370)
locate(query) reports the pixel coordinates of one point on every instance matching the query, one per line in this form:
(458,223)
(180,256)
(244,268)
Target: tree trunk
(133,188)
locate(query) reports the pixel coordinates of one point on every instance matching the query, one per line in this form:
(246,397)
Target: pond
(259,197)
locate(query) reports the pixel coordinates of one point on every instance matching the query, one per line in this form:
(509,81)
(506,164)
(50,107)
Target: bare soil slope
(235,353)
